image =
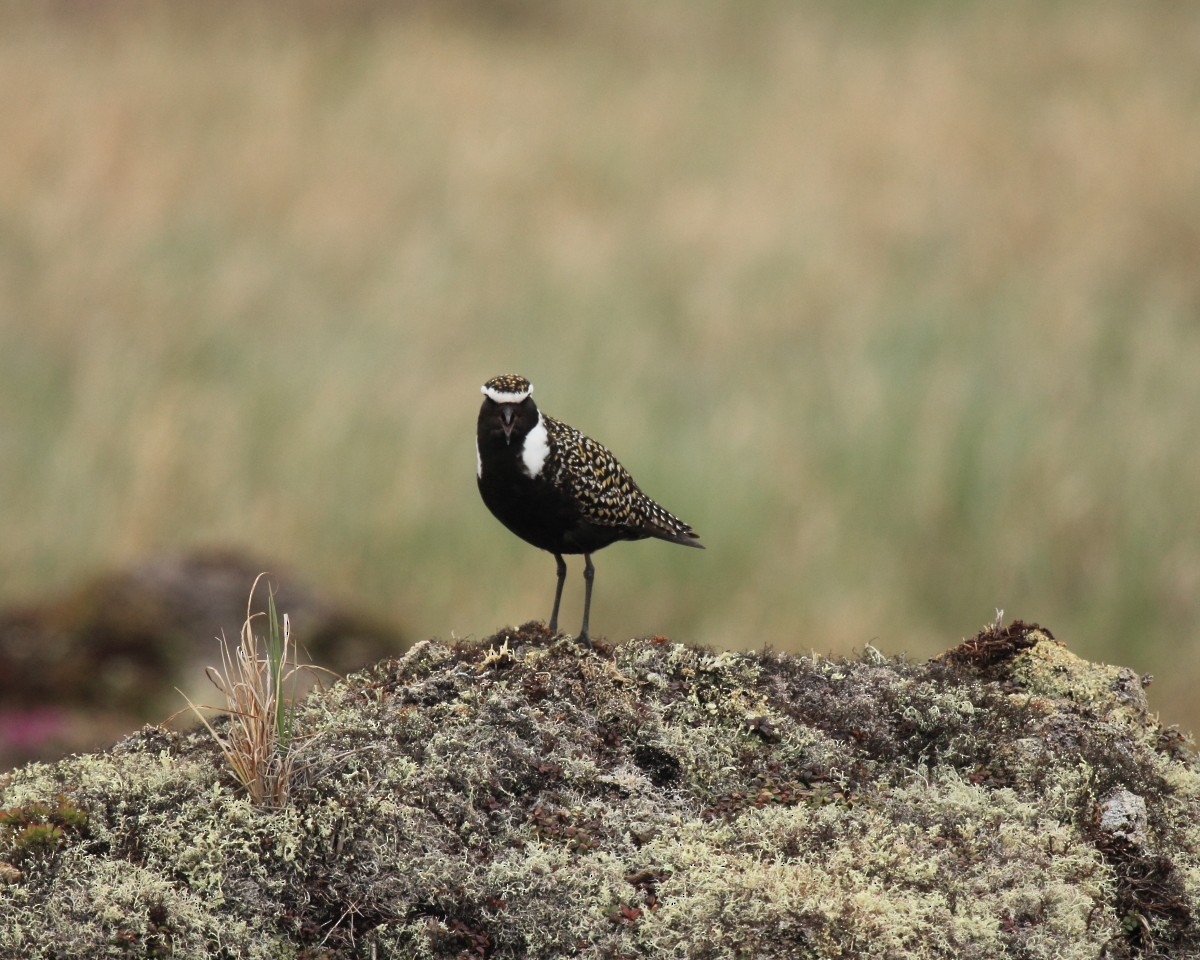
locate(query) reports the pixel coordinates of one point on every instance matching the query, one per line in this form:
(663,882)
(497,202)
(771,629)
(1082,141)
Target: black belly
(540,514)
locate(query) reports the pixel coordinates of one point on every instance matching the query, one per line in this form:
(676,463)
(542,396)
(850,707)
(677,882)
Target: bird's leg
(562,576)
(589,572)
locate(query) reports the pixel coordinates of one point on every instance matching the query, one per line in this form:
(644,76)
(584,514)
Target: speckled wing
(604,489)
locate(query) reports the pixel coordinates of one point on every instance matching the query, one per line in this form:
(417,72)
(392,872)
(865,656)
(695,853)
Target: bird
(558,489)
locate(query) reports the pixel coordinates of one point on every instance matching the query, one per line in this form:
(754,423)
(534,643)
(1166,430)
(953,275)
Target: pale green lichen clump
(528,798)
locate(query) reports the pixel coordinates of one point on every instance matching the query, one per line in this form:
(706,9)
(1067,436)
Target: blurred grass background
(897,304)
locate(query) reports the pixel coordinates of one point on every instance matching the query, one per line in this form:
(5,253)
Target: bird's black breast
(534,508)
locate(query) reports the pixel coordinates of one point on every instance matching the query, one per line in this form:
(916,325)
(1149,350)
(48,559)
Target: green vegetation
(899,307)
(529,798)
(35,830)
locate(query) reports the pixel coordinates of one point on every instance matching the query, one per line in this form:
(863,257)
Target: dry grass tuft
(260,687)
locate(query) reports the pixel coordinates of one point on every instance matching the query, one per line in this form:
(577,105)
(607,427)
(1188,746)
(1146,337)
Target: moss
(36,830)
(526,798)
(101,907)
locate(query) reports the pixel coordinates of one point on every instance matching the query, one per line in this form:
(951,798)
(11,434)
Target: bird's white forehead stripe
(505,396)
(535,449)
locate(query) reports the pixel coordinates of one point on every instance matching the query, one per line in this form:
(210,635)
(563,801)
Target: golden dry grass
(258,680)
(901,309)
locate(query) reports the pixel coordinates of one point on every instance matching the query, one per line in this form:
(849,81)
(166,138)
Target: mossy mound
(82,667)
(528,798)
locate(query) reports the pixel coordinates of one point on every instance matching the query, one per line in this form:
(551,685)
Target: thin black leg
(589,573)
(562,576)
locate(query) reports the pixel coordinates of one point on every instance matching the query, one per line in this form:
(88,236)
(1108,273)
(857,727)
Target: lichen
(524,797)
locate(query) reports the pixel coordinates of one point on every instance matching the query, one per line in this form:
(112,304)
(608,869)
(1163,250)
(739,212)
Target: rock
(1122,815)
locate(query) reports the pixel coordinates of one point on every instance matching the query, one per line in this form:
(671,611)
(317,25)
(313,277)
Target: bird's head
(508,407)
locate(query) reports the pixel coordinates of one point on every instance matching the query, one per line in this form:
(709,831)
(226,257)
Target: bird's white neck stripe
(535,449)
(506,396)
